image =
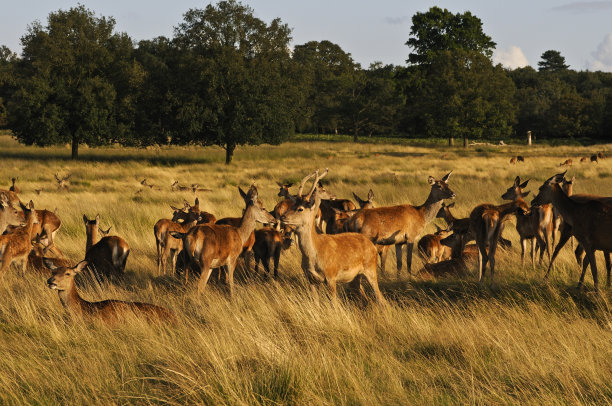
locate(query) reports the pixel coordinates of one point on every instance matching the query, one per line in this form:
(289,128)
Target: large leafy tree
(241,89)
(8,60)
(65,91)
(440,30)
(552,61)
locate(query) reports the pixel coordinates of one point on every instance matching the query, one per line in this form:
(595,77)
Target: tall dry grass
(439,341)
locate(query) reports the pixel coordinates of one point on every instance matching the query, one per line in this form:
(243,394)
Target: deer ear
(445,177)
(279,184)
(31,205)
(517,181)
(85,220)
(431,180)
(524,184)
(80,266)
(525,194)
(289,185)
(197,202)
(242,193)
(370,194)
(98,218)
(451,205)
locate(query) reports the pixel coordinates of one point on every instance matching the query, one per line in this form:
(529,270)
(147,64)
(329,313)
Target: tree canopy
(552,61)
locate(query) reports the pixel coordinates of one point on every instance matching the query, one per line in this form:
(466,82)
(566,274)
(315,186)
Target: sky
(370,31)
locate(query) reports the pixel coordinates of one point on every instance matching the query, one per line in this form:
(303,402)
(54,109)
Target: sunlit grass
(441,341)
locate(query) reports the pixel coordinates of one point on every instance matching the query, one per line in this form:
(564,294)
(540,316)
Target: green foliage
(552,61)
(440,30)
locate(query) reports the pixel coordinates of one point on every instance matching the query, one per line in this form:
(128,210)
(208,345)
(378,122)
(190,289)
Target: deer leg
(314,292)
(358,287)
(231,265)
(204,276)
(523,248)
(382,251)
(482,260)
(608,267)
(159,257)
(333,291)
(590,254)
(276,258)
(164,258)
(266,264)
(409,248)
(398,258)
(578,254)
(370,275)
(547,241)
(565,235)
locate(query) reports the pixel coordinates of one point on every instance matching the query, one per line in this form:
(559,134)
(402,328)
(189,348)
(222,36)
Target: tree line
(228,78)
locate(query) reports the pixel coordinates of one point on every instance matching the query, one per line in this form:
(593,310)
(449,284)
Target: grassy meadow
(445,341)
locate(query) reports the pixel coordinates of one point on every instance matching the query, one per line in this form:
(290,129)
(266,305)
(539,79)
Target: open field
(444,341)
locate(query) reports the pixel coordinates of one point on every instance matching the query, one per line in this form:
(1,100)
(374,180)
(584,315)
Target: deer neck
(247,223)
(71,300)
(92,238)
(431,207)
(564,204)
(307,234)
(30,224)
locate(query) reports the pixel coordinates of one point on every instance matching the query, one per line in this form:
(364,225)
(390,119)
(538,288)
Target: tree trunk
(355,135)
(229,153)
(75,149)
(529,138)
(451,141)
(465,142)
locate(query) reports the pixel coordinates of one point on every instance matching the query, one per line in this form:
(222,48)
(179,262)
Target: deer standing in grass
(402,224)
(108,311)
(269,243)
(536,225)
(17,245)
(47,226)
(105,256)
(331,259)
(486,224)
(214,246)
(590,221)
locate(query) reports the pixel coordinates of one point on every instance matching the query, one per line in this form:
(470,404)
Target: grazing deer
(402,224)
(214,246)
(520,158)
(487,223)
(430,248)
(269,242)
(567,162)
(63,184)
(601,155)
(584,159)
(535,225)
(513,160)
(595,159)
(144,183)
(108,311)
(14,188)
(331,259)
(175,187)
(17,245)
(106,256)
(590,221)
(9,216)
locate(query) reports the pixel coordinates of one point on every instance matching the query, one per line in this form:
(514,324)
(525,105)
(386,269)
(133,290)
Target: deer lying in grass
(567,162)
(108,311)
(175,187)
(487,223)
(456,265)
(402,224)
(269,243)
(106,256)
(431,249)
(590,221)
(214,246)
(17,245)
(331,259)
(63,184)
(536,225)
(38,252)
(9,216)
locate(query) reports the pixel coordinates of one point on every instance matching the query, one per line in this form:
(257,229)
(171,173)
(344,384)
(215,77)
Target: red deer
(595,159)
(331,259)
(14,188)
(17,245)
(214,246)
(487,223)
(269,242)
(590,221)
(106,256)
(63,184)
(108,311)
(567,162)
(402,224)
(430,248)
(9,216)
(39,251)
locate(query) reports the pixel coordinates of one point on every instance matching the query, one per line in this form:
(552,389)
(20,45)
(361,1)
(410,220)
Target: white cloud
(602,57)
(512,57)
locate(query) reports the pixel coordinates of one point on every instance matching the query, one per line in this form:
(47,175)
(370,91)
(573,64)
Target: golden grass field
(443,341)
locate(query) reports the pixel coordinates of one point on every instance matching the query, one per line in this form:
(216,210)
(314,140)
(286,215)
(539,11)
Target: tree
(241,90)
(65,92)
(552,61)
(440,30)
(8,60)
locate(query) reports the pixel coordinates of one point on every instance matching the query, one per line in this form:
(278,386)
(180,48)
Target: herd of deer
(339,242)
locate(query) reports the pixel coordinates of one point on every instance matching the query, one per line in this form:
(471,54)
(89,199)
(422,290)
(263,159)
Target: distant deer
(269,242)
(176,187)
(196,188)
(601,155)
(402,224)
(63,184)
(214,246)
(167,246)
(535,225)
(486,224)
(331,259)
(108,311)
(520,158)
(149,185)
(513,160)
(17,245)
(14,188)
(430,248)
(106,256)
(584,159)
(567,162)
(9,216)
(590,221)
(594,159)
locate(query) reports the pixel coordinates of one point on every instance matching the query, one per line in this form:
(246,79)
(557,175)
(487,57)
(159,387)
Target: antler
(316,182)
(57,178)
(303,182)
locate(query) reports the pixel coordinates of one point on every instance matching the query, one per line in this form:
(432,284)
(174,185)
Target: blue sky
(371,30)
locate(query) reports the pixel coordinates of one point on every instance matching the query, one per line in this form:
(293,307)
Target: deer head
(515,191)
(546,191)
(254,205)
(440,189)
(63,277)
